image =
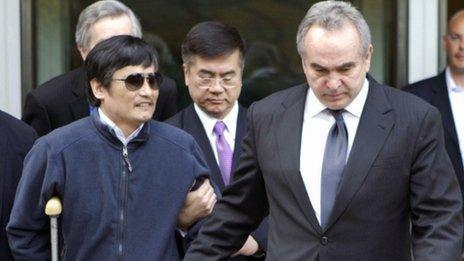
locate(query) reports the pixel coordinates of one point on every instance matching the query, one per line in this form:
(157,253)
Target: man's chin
(144,117)
(458,69)
(336,105)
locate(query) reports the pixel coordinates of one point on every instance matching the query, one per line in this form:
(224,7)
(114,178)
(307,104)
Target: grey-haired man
(346,168)
(62,99)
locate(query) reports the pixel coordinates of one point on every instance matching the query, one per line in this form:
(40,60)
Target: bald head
(456,19)
(454,43)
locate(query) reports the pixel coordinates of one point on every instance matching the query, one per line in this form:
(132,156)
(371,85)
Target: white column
(423,39)
(10,57)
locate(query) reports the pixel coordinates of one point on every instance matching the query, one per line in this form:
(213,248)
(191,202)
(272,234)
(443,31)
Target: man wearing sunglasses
(122,177)
(62,99)
(213,55)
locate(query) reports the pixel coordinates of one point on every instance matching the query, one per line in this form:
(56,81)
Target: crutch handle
(53,207)
(53,210)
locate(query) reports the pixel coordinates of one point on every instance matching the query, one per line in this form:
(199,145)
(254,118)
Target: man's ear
(303,64)
(82,52)
(368,57)
(186,78)
(98,89)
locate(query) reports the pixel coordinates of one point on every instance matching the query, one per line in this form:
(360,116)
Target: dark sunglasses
(135,81)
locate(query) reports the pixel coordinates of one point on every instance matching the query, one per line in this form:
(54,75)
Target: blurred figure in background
(16,139)
(62,99)
(446,92)
(263,73)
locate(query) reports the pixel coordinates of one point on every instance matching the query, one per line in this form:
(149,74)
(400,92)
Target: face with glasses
(454,43)
(130,99)
(215,84)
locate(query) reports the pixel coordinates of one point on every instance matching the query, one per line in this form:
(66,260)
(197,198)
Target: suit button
(324,240)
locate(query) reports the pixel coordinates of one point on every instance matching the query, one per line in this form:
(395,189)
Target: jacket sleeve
(195,228)
(435,197)
(240,211)
(28,228)
(35,114)
(260,234)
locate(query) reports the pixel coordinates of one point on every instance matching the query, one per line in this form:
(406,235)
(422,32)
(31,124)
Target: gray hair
(99,10)
(332,15)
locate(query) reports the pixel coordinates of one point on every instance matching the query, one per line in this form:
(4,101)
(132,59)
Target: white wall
(423,39)
(10,57)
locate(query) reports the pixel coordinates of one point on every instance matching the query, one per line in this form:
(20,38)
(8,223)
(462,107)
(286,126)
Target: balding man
(446,92)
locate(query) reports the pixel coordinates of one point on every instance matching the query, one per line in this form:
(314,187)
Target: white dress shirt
(456,97)
(208,123)
(116,130)
(316,125)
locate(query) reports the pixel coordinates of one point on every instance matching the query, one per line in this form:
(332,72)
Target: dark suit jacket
(16,139)
(397,169)
(435,91)
(63,100)
(188,120)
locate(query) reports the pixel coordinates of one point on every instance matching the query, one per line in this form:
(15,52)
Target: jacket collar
(109,135)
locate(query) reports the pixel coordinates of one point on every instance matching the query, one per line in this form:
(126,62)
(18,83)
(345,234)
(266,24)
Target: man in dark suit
(62,99)
(213,56)
(16,139)
(446,93)
(346,168)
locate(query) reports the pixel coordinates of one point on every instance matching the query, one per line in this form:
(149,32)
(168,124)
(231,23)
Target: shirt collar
(452,86)
(116,130)
(355,107)
(208,121)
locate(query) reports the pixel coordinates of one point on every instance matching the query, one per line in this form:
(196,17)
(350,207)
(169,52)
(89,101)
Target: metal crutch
(53,210)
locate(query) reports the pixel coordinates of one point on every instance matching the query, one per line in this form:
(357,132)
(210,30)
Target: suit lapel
(192,125)
(374,127)
(441,101)
(79,106)
(288,138)
(239,134)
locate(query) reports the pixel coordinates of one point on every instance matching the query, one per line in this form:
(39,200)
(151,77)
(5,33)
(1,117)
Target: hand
(249,248)
(198,204)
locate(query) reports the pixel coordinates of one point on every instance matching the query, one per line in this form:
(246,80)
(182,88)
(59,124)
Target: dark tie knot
(337,114)
(219,127)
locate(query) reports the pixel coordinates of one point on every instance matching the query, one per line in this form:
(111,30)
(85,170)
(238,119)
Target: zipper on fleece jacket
(127,168)
(125,155)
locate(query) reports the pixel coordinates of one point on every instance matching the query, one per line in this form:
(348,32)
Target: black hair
(113,54)
(210,40)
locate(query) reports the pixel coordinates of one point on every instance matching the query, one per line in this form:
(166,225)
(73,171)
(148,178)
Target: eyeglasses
(226,82)
(455,37)
(135,81)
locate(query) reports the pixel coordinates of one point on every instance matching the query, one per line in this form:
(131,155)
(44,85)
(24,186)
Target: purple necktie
(224,152)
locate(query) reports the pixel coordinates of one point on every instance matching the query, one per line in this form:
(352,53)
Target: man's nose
(216,86)
(146,90)
(333,82)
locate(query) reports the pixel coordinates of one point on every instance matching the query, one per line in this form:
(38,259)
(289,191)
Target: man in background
(16,139)
(446,92)
(62,99)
